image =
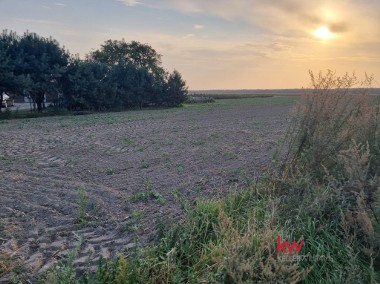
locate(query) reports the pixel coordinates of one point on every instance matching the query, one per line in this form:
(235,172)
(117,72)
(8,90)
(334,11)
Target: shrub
(329,120)
(332,168)
(199,99)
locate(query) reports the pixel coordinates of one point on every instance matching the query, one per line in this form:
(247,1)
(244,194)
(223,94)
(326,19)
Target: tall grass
(331,119)
(323,191)
(332,168)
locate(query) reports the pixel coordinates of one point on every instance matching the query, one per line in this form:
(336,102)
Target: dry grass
(329,119)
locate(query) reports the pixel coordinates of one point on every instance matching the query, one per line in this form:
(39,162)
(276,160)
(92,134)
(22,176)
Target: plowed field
(137,168)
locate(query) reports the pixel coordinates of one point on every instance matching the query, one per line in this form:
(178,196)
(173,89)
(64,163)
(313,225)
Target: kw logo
(285,247)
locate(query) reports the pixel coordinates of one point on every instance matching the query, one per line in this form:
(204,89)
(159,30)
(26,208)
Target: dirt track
(136,167)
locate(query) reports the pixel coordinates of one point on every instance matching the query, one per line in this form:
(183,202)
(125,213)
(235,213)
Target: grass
(83,203)
(134,224)
(145,196)
(22,114)
(63,271)
(180,168)
(115,171)
(199,99)
(140,115)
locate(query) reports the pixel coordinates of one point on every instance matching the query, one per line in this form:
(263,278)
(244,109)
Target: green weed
(145,165)
(83,203)
(147,195)
(64,272)
(180,168)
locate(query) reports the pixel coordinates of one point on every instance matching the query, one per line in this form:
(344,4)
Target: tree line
(119,75)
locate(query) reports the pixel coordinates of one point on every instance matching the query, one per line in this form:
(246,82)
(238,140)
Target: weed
(137,215)
(126,228)
(145,196)
(145,165)
(3,233)
(198,142)
(64,271)
(215,135)
(199,99)
(180,168)
(178,195)
(229,155)
(198,188)
(130,141)
(111,172)
(328,119)
(165,156)
(83,203)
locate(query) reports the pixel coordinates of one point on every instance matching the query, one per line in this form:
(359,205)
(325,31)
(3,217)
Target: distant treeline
(230,96)
(119,75)
(257,93)
(249,92)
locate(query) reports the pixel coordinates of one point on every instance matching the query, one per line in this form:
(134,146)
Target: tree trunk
(43,102)
(40,101)
(39,105)
(1,99)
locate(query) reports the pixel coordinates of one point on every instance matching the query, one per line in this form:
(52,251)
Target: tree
(176,90)
(135,69)
(85,86)
(41,61)
(140,55)
(8,81)
(119,75)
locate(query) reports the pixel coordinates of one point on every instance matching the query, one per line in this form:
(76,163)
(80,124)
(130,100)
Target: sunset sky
(218,44)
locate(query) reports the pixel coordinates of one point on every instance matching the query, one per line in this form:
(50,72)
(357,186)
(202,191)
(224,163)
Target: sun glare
(323,33)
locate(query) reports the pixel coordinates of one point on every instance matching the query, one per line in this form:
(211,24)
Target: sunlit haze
(242,44)
(323,33)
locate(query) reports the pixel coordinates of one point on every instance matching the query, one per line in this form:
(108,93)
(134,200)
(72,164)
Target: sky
(218,44)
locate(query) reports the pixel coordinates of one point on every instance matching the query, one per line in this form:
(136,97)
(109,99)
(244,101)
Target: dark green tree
(135,87)
(176,90)
(8,81)
(136,71)
(86,86)
(140,55)
(41,61)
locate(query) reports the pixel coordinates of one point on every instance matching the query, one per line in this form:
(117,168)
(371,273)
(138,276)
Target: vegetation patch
(145,196)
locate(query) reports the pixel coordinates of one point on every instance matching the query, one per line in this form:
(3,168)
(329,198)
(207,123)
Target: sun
(324,33)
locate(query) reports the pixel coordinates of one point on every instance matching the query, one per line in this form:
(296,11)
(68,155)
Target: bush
(199,99)
(330,120)
(332,169)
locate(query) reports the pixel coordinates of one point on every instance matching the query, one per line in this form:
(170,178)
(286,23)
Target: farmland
(111,179)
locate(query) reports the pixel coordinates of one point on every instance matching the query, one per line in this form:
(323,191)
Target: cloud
(287,17)
(189,36)
(60,4)
(198,27)
(339,27)
(36,21)
(131,3)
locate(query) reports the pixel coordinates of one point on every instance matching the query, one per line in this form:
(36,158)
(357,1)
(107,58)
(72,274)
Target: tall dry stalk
(335,113)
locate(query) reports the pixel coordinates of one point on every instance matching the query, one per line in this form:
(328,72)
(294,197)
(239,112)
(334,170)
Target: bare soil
(137,168)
